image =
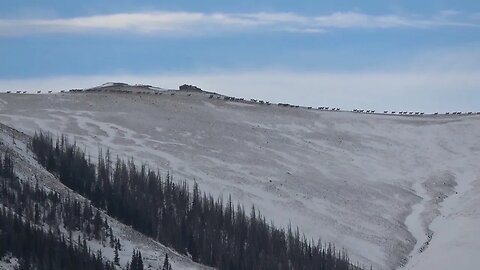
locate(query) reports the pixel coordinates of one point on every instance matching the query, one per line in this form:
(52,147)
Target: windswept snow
(453,235)
(26,167)
(378,185)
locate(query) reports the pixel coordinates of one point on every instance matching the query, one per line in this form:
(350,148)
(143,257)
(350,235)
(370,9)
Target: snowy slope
(379,185)
(27,168)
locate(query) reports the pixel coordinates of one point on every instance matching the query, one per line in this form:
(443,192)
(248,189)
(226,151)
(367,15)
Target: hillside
(30,171)
(385,187)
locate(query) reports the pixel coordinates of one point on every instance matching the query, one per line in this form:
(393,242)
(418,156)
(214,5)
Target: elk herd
(261,102)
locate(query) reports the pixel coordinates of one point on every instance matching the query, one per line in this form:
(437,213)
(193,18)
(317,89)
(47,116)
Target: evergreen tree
(116,258)
(193,223)
(140,261)
(26,208)
(166,263)
(137,262)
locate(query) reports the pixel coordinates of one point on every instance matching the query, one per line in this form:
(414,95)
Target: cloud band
(152,23)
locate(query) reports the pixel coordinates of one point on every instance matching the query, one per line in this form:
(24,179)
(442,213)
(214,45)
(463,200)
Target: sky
(390,54)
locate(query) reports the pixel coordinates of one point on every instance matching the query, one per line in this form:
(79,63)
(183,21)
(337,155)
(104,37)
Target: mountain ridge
(348,177)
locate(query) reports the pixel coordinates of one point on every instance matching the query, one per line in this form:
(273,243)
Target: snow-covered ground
(8,263)
(26,167)
(393,190)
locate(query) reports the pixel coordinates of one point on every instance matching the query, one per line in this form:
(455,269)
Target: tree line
(23,211)
(48,212)
(210,231)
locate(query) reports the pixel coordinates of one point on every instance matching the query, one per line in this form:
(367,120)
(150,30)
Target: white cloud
(449,12)
(201,23)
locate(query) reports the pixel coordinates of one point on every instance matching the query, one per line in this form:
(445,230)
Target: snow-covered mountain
(395,191)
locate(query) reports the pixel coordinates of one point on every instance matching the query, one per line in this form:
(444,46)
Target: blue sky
(382,48)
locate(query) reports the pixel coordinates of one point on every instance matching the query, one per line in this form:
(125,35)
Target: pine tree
(140,261)
(137,262)
(134,262)
(97,226)
(118,245)
(116,258)
(195,224)
(112,239)
(166,263)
